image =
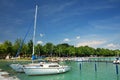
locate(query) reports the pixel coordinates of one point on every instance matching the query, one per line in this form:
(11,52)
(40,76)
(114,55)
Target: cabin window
(53,65)
(41,65)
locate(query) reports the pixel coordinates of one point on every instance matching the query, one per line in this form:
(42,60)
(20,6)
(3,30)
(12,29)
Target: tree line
(49,49)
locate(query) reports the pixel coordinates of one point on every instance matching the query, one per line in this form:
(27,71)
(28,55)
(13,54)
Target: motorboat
(45,68)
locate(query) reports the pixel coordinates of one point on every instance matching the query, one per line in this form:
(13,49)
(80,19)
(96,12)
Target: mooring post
(106,62)
(116,68)
(95,67)
(80,66)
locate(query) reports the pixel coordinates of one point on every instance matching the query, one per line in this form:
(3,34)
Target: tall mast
(34,28)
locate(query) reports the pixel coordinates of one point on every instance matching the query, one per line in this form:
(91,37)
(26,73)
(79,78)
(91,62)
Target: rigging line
(18,52)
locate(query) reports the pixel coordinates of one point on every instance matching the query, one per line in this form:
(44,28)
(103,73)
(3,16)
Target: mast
(34,29)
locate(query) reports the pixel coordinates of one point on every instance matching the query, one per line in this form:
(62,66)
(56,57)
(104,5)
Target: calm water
(105,71)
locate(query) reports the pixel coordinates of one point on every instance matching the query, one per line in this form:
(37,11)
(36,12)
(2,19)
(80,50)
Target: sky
(95,23)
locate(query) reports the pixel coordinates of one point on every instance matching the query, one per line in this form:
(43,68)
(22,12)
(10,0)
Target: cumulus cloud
(41,35)
(66,40)
(113,46)
(78,37)
(90,43)
(39,42)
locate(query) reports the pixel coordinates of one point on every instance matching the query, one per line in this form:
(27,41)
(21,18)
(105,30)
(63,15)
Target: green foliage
(30,48)
(16,46)
(71,51)
(50,49)
(39,50)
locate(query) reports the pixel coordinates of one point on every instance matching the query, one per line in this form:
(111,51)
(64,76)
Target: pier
(101,59)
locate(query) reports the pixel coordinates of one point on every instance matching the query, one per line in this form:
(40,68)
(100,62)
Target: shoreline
(61,58)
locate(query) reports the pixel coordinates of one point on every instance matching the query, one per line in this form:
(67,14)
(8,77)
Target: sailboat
(17,66)
(43,68)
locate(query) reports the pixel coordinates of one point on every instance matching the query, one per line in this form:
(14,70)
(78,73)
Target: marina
(60,40)
(79,71)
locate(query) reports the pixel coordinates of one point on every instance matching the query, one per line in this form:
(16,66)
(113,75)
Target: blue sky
(95,23)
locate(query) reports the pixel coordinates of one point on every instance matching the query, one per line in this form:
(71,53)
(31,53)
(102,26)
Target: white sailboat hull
(34,70)
(17,67)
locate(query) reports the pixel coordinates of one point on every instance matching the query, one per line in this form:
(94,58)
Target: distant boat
(77,59)
(80,59)
(117,61)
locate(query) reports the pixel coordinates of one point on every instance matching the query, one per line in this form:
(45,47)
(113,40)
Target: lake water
(104,71)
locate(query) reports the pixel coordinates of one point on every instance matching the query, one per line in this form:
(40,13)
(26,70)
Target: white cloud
(113,46)
(90,43)
(39,42)
(66,40)
(78,37)
(41,35)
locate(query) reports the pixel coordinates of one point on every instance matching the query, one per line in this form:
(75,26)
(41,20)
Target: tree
(24,50)
(8,47)
(30,48)
(39,50)
(64,49)
(117,52)
(71,51)
(80,51)
(2,51)
(58,50)
(48,49)
(16,47)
